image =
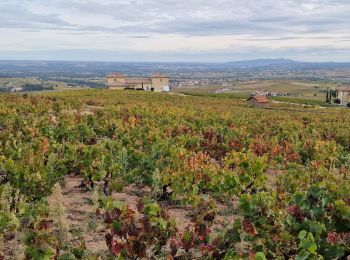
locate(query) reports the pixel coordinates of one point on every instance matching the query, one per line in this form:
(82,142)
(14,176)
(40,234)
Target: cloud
(17,16)
(225,55)
(177,26)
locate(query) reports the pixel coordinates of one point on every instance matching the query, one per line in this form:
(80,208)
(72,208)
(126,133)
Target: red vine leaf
(248,227)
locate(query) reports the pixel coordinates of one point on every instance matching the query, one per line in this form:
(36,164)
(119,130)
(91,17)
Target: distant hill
(285,63)
(260,63)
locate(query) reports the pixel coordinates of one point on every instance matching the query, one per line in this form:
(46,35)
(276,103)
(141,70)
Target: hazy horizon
(168,62)
(175,31)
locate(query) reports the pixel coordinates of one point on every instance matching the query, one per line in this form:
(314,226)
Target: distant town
(272,78)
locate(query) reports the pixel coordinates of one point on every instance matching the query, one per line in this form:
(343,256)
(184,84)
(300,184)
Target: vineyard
(99,174)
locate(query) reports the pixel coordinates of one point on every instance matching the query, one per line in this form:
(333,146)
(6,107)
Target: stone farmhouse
(157,82)
(344,94)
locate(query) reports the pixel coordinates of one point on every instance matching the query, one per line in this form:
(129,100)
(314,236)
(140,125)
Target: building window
(115,79)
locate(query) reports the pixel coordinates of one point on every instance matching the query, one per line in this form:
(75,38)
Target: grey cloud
(313,54)
(17,16)
(249,20)
(205,17)
(140,36)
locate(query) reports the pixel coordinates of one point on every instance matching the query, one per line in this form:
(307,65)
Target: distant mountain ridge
(285,63)
(260,63)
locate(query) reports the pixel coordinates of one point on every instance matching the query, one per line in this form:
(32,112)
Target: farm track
(80,212)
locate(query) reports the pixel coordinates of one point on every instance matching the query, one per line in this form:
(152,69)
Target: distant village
(270,94)
(25,87)
(202,82)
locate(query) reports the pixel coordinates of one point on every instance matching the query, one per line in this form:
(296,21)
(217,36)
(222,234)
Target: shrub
(337,101)
(348,104)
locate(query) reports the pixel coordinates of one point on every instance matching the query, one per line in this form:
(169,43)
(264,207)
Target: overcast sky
(175,30)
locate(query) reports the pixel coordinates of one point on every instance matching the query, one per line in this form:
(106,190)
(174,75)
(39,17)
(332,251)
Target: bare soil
(80,216)
(80,212)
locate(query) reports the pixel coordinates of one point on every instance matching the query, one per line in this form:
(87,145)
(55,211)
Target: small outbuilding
(258,101)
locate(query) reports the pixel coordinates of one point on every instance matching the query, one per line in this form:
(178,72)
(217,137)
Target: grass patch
(223,95)
(304,101)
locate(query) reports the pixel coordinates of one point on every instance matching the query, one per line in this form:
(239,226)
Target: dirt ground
(81,219)
(80,213)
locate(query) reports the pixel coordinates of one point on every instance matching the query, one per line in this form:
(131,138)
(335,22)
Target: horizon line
(199,62)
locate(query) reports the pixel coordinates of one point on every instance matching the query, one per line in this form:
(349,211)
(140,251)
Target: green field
(301,89)
(57,85)
(300,92)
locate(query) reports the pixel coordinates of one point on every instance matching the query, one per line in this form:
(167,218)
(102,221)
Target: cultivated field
(14,84)
(297,89)
(9,83)
(99,174)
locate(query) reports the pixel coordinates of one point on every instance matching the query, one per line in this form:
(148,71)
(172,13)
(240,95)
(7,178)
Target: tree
(328,96)
(334,93)
(331,94)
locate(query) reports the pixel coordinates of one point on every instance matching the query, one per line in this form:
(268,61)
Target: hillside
(102,174)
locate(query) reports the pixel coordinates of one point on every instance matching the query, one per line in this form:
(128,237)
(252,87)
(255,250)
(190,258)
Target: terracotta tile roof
(159,75)
(116,75)
(344,88)
(260,99)
(119,75)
